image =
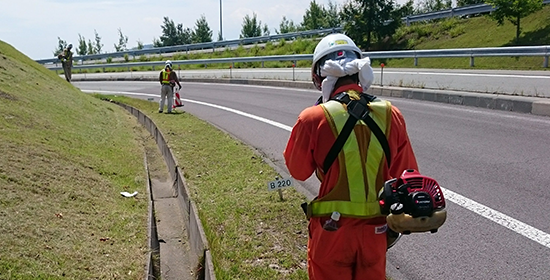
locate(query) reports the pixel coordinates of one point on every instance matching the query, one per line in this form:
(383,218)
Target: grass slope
(475,32)
(65,156)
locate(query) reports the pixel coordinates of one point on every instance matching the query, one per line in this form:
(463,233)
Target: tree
(407,9)
(513,11)
(185,35)
(286,26)
(365,19)
(173,35)
(98,45)
(122,41)
(462,3)
(82,48)
(251,27)
(202,32)
(139,44)
(332,17)
(169,33)
(220,38)
(90,47)
(61,45)
(426,6)
(265,30)
(315,17)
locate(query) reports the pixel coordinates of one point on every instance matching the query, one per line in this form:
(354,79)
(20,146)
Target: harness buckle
(357,109)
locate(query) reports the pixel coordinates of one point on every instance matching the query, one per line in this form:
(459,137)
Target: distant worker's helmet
(70,46)
(168,64)
(333,47)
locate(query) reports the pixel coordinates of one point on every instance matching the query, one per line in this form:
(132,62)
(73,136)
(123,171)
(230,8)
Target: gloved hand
(179,87)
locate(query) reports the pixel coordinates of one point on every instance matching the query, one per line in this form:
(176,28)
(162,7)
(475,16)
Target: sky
(33,26)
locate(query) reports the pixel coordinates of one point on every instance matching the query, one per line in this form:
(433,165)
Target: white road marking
(470,75)
(508,222)
(517,226)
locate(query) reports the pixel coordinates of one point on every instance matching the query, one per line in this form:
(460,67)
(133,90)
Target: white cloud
(32,26)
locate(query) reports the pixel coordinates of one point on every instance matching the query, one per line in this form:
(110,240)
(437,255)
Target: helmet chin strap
(333,70)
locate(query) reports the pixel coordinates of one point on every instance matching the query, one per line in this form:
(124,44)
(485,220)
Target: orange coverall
(357,250)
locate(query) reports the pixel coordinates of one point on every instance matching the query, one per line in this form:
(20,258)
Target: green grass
(65,158)
(252,234)
(475,32)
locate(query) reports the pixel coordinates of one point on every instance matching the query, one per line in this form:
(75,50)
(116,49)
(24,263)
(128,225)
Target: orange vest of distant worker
(166,76)
(356,192)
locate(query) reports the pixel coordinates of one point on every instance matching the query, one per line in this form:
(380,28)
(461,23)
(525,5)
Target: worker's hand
(179,87)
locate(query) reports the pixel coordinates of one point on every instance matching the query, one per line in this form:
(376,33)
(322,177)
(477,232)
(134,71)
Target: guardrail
(200,46)
(542,51)
(459,11)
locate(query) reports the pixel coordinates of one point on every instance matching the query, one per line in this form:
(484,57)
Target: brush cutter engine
(413,203)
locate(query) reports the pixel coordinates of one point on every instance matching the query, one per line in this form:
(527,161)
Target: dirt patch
(7,96)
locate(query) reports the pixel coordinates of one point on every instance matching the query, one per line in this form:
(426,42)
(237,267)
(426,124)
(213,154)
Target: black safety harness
(358,110)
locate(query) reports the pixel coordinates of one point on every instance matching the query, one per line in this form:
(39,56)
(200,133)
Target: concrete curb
(522,104)
(152,236)
(201,256)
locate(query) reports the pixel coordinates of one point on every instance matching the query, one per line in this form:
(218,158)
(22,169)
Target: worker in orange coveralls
(356,248)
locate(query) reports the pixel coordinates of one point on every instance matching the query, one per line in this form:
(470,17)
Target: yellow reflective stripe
(165,77)
(351,152)
(375,152)
(346,208)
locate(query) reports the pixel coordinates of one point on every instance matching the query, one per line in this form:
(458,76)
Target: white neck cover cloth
(333,70)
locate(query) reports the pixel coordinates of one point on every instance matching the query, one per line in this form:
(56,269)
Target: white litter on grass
(127,194)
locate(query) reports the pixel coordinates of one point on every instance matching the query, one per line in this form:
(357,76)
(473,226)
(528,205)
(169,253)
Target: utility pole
(221,29)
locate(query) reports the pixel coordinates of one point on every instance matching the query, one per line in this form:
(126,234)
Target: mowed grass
(252,234)
(64,159)
(476,32)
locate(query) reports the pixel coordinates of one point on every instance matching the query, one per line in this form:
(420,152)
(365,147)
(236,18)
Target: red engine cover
(418,182)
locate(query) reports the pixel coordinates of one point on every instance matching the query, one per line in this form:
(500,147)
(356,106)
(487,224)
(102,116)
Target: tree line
(365,21)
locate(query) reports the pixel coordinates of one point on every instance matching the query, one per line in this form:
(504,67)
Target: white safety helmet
(168,64)
(333,47)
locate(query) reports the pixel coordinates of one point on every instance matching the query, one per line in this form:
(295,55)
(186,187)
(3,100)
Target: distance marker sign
(279,184)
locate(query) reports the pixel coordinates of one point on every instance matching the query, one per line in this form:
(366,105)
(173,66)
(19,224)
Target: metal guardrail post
(545,63)
(472,61)
(293,70)
(415,61)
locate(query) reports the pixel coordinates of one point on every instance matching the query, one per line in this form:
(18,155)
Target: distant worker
(66,58)
(352,157)
(168,80)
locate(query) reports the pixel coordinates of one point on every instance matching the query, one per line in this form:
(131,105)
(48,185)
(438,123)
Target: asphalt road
(522,83)
(494,166)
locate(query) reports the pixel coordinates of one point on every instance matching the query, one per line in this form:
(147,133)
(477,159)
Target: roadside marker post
(278,185)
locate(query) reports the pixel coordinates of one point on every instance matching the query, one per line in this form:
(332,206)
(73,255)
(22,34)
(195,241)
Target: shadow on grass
(540,36)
